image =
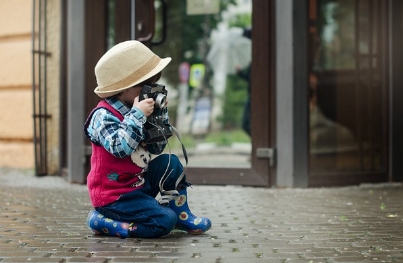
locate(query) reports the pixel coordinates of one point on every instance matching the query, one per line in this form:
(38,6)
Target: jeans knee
(170,219)
(166,224)
(173,161)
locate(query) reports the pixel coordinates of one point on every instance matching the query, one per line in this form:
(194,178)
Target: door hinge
(267,153)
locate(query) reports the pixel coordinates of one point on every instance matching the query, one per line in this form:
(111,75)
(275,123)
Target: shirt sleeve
(119,138)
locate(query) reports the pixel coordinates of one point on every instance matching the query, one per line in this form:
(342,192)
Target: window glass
(347,86)
(208,79)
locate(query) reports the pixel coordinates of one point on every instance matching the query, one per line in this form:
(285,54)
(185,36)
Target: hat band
(135,76)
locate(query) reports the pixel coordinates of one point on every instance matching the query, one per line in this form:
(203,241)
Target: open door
(221,102)
(208,105)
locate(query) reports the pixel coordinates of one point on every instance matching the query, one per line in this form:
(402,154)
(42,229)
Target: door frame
(93,45)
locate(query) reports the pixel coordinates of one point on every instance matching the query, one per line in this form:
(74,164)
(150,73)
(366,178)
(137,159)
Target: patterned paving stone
(42,219)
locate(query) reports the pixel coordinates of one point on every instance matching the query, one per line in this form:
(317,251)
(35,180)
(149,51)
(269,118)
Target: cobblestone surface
(43,220)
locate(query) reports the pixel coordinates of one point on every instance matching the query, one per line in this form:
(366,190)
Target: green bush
(235,96)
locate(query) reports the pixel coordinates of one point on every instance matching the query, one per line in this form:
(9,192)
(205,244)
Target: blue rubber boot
(101,225)
(186,220)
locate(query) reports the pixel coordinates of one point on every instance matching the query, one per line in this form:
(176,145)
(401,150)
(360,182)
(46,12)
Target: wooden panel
(123,21)
(262,79)
(95,47)
(225,176)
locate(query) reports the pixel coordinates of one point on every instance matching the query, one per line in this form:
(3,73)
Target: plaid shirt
(121,138)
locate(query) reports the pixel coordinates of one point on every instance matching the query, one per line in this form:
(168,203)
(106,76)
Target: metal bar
(40,86)
(33,82)
(371,79)
(357,83)
(41,52)
(42,116)
(45,137)
(62,81)
(41,102)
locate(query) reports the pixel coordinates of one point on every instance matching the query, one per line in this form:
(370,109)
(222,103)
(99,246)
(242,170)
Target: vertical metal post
(76,90)
(40,87)
(300,100)
(395,90)
(34,81)
(45,111)
(292,86)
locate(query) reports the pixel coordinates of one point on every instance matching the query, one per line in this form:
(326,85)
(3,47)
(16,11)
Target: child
(124,182)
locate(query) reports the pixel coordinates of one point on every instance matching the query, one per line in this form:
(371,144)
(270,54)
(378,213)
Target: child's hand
(146,106)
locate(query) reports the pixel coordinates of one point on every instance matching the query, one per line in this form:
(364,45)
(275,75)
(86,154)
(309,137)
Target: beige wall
(16,129)
(53,72)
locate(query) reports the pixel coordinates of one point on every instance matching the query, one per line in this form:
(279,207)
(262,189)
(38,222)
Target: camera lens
(160,101)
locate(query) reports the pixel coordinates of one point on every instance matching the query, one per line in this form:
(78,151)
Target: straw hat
(125,65)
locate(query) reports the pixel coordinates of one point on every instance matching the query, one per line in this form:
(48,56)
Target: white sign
(202,7)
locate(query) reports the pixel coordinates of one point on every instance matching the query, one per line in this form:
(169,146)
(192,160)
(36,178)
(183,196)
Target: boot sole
(193,232)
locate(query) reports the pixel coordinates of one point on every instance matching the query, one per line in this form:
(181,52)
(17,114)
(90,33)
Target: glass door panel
(347,87)
(208,78)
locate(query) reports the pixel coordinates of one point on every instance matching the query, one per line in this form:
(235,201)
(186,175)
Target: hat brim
(161,65)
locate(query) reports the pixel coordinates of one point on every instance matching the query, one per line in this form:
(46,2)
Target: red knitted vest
(110,176)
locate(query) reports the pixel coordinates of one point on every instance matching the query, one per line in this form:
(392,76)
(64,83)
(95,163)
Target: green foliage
(236,94)
(187,36)
(227,138)
(241,20)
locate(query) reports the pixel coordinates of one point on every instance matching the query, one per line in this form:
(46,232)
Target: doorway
(208,99)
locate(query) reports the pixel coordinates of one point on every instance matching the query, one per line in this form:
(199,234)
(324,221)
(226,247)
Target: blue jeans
(141,207)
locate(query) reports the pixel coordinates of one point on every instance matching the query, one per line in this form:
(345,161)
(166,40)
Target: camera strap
(168,195)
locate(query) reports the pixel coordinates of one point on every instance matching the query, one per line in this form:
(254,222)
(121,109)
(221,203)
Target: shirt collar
(117,105)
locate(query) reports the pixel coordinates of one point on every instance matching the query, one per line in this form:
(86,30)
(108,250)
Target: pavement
(42,219)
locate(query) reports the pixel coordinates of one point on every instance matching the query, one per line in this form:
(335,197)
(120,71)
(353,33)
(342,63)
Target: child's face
(127,96)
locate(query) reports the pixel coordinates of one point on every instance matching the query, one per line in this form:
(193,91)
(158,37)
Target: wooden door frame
(396,91)
(94,46)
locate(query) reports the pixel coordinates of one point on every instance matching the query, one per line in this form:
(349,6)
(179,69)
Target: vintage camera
(154,129)
(156,92)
